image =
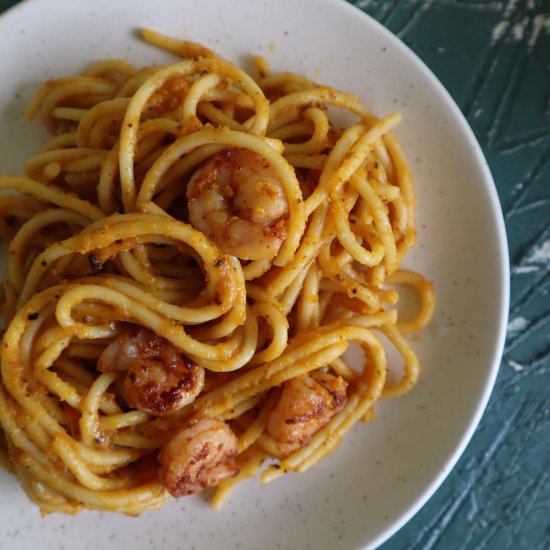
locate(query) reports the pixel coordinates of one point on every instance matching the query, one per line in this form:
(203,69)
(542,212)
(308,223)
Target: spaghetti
(190,256)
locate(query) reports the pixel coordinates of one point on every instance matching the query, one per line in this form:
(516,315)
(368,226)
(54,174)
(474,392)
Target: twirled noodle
(190,256)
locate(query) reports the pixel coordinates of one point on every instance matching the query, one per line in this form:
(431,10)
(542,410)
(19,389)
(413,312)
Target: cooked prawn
(237,200)
(307,403)
(158,378)
(199,456)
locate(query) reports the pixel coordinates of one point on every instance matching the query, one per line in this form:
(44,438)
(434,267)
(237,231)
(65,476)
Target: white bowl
(383,472)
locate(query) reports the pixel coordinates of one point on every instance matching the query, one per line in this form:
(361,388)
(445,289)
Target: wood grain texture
(493,58)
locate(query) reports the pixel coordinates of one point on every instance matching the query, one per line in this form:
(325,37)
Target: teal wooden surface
(493,57)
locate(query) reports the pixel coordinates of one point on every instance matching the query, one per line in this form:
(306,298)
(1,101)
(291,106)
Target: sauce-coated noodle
(189,258)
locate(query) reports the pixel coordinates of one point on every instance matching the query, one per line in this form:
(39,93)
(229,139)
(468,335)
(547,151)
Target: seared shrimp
(307,403)
(158,378)
(198,456)
(237,200)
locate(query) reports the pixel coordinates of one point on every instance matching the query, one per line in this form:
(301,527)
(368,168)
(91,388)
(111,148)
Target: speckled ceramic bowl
(384,471)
